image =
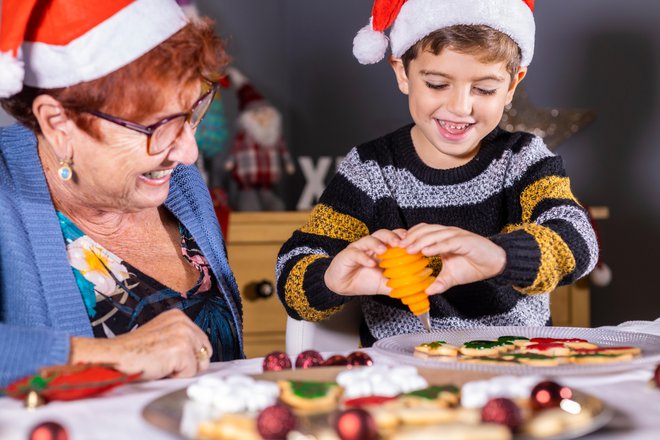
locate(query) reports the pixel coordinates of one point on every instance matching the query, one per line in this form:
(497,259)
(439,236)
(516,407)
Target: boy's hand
(355,271)
(466,257)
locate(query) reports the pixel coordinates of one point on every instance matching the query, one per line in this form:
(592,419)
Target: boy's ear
(56,127)
(522,72)
(400,73)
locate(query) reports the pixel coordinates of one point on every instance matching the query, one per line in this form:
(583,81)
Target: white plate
(403,347)
(166,412)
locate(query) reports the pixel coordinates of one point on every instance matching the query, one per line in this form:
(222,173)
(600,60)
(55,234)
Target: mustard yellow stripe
(557,259)
(327,222)
(294,293)
(550,187)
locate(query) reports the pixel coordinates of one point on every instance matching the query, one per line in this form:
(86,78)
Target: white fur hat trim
(419,18)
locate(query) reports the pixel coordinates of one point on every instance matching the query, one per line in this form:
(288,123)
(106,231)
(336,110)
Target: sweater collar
(408,157)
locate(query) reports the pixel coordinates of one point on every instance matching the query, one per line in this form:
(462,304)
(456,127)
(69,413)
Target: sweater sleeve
(549,239)
(46,347)
(340,218)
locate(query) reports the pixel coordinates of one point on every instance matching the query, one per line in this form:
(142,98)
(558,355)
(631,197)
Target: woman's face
(117,173)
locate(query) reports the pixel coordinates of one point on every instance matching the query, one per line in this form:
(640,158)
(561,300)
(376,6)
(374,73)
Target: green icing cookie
(433,392)
(310,390)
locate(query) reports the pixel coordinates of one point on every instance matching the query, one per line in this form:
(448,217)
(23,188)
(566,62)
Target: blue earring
(65,172)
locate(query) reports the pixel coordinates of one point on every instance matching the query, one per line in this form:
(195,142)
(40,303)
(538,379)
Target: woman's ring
(202,354)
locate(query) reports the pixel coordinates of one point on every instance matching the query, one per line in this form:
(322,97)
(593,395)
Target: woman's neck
(95,221)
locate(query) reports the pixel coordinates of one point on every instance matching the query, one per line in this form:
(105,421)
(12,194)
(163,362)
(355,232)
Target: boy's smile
(455,100)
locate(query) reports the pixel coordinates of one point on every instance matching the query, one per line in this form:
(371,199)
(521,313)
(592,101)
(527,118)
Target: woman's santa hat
(412,20)
(59,43)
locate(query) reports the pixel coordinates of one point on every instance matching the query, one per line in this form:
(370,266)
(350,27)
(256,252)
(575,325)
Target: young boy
(492,209)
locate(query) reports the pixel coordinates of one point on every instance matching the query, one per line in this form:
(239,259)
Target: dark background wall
(603,55)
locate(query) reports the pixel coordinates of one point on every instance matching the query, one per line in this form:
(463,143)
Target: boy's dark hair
(486,43)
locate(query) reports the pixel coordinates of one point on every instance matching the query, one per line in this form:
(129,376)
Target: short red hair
(134,91)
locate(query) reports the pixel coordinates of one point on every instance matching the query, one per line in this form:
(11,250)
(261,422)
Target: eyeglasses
(163,133)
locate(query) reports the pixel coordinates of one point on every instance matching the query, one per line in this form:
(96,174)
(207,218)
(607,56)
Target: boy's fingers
(440,285)
(387,237)
(357,255)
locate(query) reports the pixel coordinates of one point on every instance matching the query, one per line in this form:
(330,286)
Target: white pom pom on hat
(412,20)
(60,43)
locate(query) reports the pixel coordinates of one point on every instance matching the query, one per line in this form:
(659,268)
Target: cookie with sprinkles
(437,348)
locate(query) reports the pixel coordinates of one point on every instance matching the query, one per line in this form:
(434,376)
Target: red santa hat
(412,20)
(59,43)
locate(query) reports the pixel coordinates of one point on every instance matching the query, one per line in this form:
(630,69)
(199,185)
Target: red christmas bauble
(359,359)
(656,376)
(502,411)
(335,361)
(309,359)
(549,394)
(275,422)
(49,431)
(356,424)
(276,361)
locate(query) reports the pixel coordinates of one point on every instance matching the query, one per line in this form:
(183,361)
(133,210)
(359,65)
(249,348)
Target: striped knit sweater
(515,192)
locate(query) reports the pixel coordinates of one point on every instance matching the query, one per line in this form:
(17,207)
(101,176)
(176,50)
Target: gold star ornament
(553,125)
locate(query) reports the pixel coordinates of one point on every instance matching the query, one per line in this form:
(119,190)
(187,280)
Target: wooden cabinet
(253,241)
(570,305)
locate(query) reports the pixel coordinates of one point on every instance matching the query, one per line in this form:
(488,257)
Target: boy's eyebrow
(444,75)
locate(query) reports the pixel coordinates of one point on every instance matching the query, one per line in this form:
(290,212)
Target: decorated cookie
(437,396)
(600,358)
(547,348)
(490,360)
(229,426)
(486,431)
(573,343)
(437,348)
(309,396)
(634,351)
(535,359)
(482,348)
(517,341)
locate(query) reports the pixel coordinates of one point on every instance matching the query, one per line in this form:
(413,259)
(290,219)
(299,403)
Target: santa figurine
(256,159)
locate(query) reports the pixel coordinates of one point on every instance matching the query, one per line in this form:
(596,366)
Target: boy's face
(455,100)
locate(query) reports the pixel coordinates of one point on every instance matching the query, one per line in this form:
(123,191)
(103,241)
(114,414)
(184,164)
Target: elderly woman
(109,247)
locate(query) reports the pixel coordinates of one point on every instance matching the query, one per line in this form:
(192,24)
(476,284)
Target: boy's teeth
(158,174)
(454,126)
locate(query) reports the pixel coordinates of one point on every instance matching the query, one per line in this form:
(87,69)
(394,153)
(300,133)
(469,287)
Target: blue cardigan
(40,304)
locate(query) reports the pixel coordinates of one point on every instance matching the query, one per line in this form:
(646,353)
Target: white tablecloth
(117,414)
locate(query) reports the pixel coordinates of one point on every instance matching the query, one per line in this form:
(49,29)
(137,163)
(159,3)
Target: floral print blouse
(119,298)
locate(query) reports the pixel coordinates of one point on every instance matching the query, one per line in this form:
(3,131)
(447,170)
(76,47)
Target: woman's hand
(167,346)
(466,257)
(355,271)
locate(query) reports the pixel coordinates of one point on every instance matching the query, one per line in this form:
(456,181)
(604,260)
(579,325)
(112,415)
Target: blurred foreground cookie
(309,396)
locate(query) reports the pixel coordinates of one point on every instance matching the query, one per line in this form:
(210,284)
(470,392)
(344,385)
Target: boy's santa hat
(412,20)
(59,43)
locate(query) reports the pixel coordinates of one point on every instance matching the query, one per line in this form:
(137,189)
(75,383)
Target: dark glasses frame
(149,130)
